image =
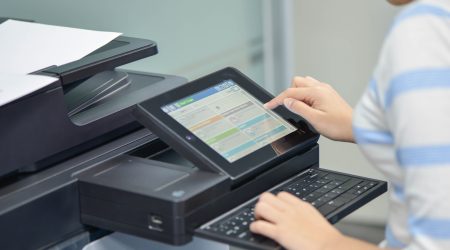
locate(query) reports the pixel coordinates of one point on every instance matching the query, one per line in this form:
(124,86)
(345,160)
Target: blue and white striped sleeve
(416,103)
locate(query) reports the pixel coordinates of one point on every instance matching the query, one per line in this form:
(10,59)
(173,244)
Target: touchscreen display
(229,120)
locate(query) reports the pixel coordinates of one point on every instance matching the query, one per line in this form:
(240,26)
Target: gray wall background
(194,37)
(338,42)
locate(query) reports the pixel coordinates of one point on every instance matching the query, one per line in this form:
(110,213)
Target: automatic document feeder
(158,197)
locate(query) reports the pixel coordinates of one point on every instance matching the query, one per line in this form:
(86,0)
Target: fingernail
(288,102)
(266,105)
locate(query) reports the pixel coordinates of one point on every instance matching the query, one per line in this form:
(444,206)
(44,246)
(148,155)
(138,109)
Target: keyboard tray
(334,194)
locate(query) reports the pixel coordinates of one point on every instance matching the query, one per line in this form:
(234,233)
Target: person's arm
(296,224)
(293,223)
(320,105)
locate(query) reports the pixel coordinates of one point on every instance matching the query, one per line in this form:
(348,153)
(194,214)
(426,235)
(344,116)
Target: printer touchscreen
(229,120)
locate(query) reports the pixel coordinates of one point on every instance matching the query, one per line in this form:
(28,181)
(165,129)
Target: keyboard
(328,191)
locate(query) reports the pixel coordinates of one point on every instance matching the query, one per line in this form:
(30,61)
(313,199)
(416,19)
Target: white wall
(338,42)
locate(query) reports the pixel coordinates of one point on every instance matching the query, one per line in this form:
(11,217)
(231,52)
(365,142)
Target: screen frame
(207,94)
(172,132)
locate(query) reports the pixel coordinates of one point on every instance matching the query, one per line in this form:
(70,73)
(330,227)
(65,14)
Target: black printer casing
(146,198)
(36,130)
(44,143)
(127,194)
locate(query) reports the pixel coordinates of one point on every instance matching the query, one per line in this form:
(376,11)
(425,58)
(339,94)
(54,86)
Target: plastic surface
(147,198)
(119,241)
(332,217)
(120,51)
(21,148)
(150,113)
(43,208)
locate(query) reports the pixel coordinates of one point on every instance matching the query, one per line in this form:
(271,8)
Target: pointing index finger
(278,100)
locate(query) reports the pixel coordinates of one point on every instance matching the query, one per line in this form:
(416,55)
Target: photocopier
(74,160)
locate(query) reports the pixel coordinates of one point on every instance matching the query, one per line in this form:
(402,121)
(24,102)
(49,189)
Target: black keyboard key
(244,235)
(231,232)
(336,183)
(304,191)
(330,195)
(349,184)
(329,186)
(325,191)
(337,191)
(360,191)
(338,202)
(292,190)
(372,184)
(319,202)
(314,176)
(326,209)
(322,174)
(296,186)
(362,184)
(348,196)
(312,197)
(239,229)
(315,185)
(337,177)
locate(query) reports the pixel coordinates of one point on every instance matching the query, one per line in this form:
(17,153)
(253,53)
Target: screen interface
(229,120)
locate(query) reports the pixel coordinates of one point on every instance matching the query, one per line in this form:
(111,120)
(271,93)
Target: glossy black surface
(176,135)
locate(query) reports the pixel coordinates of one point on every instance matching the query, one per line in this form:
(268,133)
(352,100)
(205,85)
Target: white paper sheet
(14,86)
(27,47)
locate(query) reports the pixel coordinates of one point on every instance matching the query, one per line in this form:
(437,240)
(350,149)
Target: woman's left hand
(293,223)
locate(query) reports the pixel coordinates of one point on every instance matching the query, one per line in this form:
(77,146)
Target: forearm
(347,130)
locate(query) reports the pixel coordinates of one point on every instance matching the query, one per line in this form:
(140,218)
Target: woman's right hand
(320,105)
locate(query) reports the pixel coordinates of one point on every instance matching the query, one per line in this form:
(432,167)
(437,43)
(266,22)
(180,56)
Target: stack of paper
(14,86)
(28,47)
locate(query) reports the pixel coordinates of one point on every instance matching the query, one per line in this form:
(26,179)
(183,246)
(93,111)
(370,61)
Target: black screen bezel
(256,161)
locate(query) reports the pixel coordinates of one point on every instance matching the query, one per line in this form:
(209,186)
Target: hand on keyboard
(311,195)
(293,223)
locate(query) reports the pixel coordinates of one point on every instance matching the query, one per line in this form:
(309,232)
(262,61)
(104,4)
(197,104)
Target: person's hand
(320,105)
(293,223)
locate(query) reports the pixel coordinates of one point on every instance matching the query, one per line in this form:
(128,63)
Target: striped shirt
(402,124)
